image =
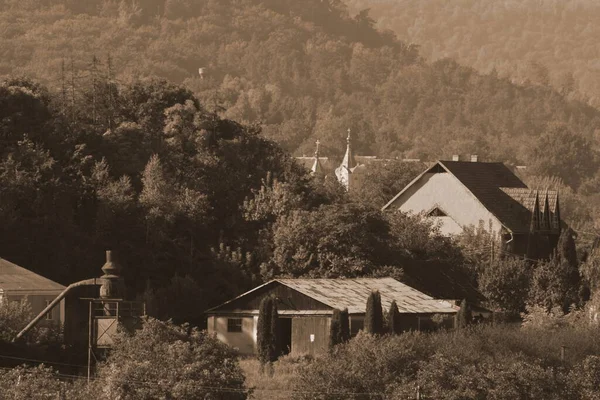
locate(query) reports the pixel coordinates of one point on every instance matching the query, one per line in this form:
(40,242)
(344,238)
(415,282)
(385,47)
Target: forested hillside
(302,69)
(543,42)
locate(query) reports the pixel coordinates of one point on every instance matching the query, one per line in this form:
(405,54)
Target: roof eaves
(240,296)
(389,203)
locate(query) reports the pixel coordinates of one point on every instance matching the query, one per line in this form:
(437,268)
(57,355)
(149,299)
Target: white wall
(443,190)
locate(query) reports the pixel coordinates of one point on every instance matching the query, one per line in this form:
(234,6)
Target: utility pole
(63,87)
(110,92)
(94,85)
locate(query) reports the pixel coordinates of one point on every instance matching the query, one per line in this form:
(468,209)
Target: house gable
(438,188)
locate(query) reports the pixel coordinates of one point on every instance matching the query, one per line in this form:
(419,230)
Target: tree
(394,319)
(335,329)
(464,316)
(556,282)
(266,332)
(345,325)
(505,283)
(374,314)
(168,361)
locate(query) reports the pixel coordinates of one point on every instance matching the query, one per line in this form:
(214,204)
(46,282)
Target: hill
(543,42)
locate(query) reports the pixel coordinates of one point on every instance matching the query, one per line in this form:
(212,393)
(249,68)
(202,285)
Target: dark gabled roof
(15,279)
(353,294)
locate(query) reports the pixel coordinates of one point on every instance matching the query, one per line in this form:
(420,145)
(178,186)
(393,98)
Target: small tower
(348,165)
(316,168)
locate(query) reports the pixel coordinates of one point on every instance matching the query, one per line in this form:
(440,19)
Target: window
(436,212)
(49,313)
(234,324)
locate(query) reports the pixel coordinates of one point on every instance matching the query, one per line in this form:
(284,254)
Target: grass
(273,387)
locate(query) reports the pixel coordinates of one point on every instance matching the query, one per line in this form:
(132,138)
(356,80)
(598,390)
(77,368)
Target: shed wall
(303,328)
(38,303)
(244,341)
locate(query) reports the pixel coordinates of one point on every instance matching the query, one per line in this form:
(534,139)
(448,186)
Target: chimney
(474,158)
(455,157)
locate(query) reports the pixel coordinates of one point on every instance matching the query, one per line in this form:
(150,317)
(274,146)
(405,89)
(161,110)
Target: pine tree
(464,315)
(266,332)
(374,314)
(345,325)
(394,319)
(335,329)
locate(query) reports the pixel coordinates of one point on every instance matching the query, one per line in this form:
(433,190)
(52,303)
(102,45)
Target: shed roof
(353,294)
(17,279)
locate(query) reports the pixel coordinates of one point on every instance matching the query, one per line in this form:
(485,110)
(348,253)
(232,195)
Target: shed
(18,283)
(306,305)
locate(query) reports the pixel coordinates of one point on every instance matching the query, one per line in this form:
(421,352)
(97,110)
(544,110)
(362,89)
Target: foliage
(34,383)
(394,319)
(266,331)
(198,365)
(556,282)
(505,284)
(335,329)
(344,325)
(15,315)
(374,314)
(464,316)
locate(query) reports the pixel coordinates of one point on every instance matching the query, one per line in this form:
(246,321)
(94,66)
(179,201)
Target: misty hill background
(304,70)
(538,41)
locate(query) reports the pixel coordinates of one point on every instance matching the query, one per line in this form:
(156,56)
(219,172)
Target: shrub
(164,360)
(266,333)
(374,314)
(394,319)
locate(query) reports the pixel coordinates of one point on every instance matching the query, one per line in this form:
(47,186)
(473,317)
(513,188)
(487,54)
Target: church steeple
(349,162)
(317,168)
(346,168)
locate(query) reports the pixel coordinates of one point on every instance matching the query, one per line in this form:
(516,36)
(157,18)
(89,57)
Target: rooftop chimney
(455,157)
(474,158)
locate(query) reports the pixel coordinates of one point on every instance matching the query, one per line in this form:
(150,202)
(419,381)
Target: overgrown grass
(275,387)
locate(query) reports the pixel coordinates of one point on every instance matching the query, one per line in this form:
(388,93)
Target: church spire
(317,168)
(344,171)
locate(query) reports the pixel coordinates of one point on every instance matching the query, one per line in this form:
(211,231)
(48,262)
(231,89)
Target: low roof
(15,279)
(353,294)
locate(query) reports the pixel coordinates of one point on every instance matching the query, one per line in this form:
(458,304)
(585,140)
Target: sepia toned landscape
(299,199)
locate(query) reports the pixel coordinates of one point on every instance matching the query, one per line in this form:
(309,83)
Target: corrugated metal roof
(353,294)
(18,279)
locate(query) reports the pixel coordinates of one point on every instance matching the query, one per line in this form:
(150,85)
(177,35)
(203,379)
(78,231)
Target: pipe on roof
(86,282)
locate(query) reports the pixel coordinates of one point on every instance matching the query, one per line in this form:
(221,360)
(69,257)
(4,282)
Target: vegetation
(266,331)
(374,314)
(484,362)
(393,322)
(464,317)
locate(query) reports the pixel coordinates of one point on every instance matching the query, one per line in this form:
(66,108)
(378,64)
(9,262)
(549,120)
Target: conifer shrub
(266,332)
(335,329)
(394,319)
(464,315)
(345,325)
(374,314)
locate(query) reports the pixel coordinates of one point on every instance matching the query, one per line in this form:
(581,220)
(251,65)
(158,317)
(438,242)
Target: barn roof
(353,294)
(497,188)
(15,279)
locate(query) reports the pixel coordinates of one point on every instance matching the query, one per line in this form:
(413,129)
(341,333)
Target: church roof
(497,188)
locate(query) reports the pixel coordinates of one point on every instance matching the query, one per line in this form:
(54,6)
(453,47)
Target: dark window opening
(234,324)
(436,212)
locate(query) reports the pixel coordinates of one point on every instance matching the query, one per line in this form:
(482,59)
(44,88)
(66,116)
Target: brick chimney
(474,158)
(455,157)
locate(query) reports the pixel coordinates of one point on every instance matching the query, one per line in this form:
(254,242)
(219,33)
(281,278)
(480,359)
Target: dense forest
(544,42)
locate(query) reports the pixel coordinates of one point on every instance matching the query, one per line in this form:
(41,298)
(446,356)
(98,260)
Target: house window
(234,324)
(49,313)
(436,212)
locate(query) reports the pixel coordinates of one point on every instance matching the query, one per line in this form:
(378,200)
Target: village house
(18,283)
(458,194)
(305,307)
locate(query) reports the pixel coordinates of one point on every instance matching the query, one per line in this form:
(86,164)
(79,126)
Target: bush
(374,314)
(164,360)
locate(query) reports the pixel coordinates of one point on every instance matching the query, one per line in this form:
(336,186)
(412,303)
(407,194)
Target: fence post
(418,392)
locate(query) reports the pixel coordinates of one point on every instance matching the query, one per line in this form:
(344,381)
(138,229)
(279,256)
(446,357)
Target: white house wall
(444,191)
(244,341)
